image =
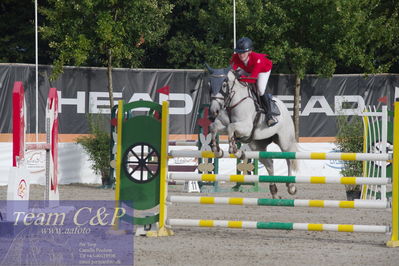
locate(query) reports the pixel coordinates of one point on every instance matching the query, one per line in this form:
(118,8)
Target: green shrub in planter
(97,147)
(350,139)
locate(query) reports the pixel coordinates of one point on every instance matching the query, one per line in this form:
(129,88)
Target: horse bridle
(224,94)
(227,98)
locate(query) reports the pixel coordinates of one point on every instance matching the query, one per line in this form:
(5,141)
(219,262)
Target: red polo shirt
(257,63)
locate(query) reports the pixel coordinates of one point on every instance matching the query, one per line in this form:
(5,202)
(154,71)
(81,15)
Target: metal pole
(234,24)
(37,74)
(384,138)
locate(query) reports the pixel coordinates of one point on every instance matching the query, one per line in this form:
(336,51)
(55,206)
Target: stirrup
(271,122)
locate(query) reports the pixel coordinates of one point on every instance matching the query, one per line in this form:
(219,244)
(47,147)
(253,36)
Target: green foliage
(200,31)
(371,42)
(302,37)
(102,33)
(97,147)
(350,139)
(17,27)
(307,43)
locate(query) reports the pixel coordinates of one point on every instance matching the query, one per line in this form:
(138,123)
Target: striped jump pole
(286,155)
(183,143)
(280,179)
(165,222)
(357,204)
(280,226)
(190,142)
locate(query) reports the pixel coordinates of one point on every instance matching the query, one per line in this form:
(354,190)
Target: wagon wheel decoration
(141,163)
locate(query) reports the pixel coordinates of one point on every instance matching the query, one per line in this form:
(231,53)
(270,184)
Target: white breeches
(263,78)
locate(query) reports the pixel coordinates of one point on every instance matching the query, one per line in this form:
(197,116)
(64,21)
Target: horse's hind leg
(291,188)
(287,143)
(268,163)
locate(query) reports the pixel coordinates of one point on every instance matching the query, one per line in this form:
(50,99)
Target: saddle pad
(274,107)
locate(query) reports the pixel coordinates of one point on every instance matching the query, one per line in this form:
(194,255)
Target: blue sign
(71,233)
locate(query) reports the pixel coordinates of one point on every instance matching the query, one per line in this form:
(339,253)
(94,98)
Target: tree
(102,33)
(17,39)
(306,42)
(200,30)
(371,43)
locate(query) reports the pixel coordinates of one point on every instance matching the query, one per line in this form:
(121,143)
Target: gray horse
(233,112)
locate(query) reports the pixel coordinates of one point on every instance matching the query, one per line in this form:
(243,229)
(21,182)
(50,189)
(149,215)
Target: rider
(258,67)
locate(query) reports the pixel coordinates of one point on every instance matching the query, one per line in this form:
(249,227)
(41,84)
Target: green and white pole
(357,204)
(280,226)
(280,179)
(285,155)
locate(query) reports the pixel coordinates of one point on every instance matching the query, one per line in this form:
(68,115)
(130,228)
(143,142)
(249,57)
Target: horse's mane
(232,76)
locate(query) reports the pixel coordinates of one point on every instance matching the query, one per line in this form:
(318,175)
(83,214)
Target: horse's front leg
(230,134)
(237,129)
(214,128)
(232,145)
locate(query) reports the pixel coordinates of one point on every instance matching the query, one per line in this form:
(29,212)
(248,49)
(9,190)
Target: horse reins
(229,108)
(227,98)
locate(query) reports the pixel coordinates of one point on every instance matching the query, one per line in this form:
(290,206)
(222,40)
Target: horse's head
(219,89)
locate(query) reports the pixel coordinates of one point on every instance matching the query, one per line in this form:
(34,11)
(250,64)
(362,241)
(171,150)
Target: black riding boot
(270,121)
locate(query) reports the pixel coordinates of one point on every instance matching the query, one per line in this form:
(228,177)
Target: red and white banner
(18,124)
(52,139)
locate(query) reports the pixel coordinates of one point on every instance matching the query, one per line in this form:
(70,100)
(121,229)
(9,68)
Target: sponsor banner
(83,91)
(35,161)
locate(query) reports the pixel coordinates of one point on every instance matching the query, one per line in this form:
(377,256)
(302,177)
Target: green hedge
(350,139)
(97,147)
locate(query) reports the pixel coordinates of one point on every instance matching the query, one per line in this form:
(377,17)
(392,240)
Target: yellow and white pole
(394,242)
(118,158)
